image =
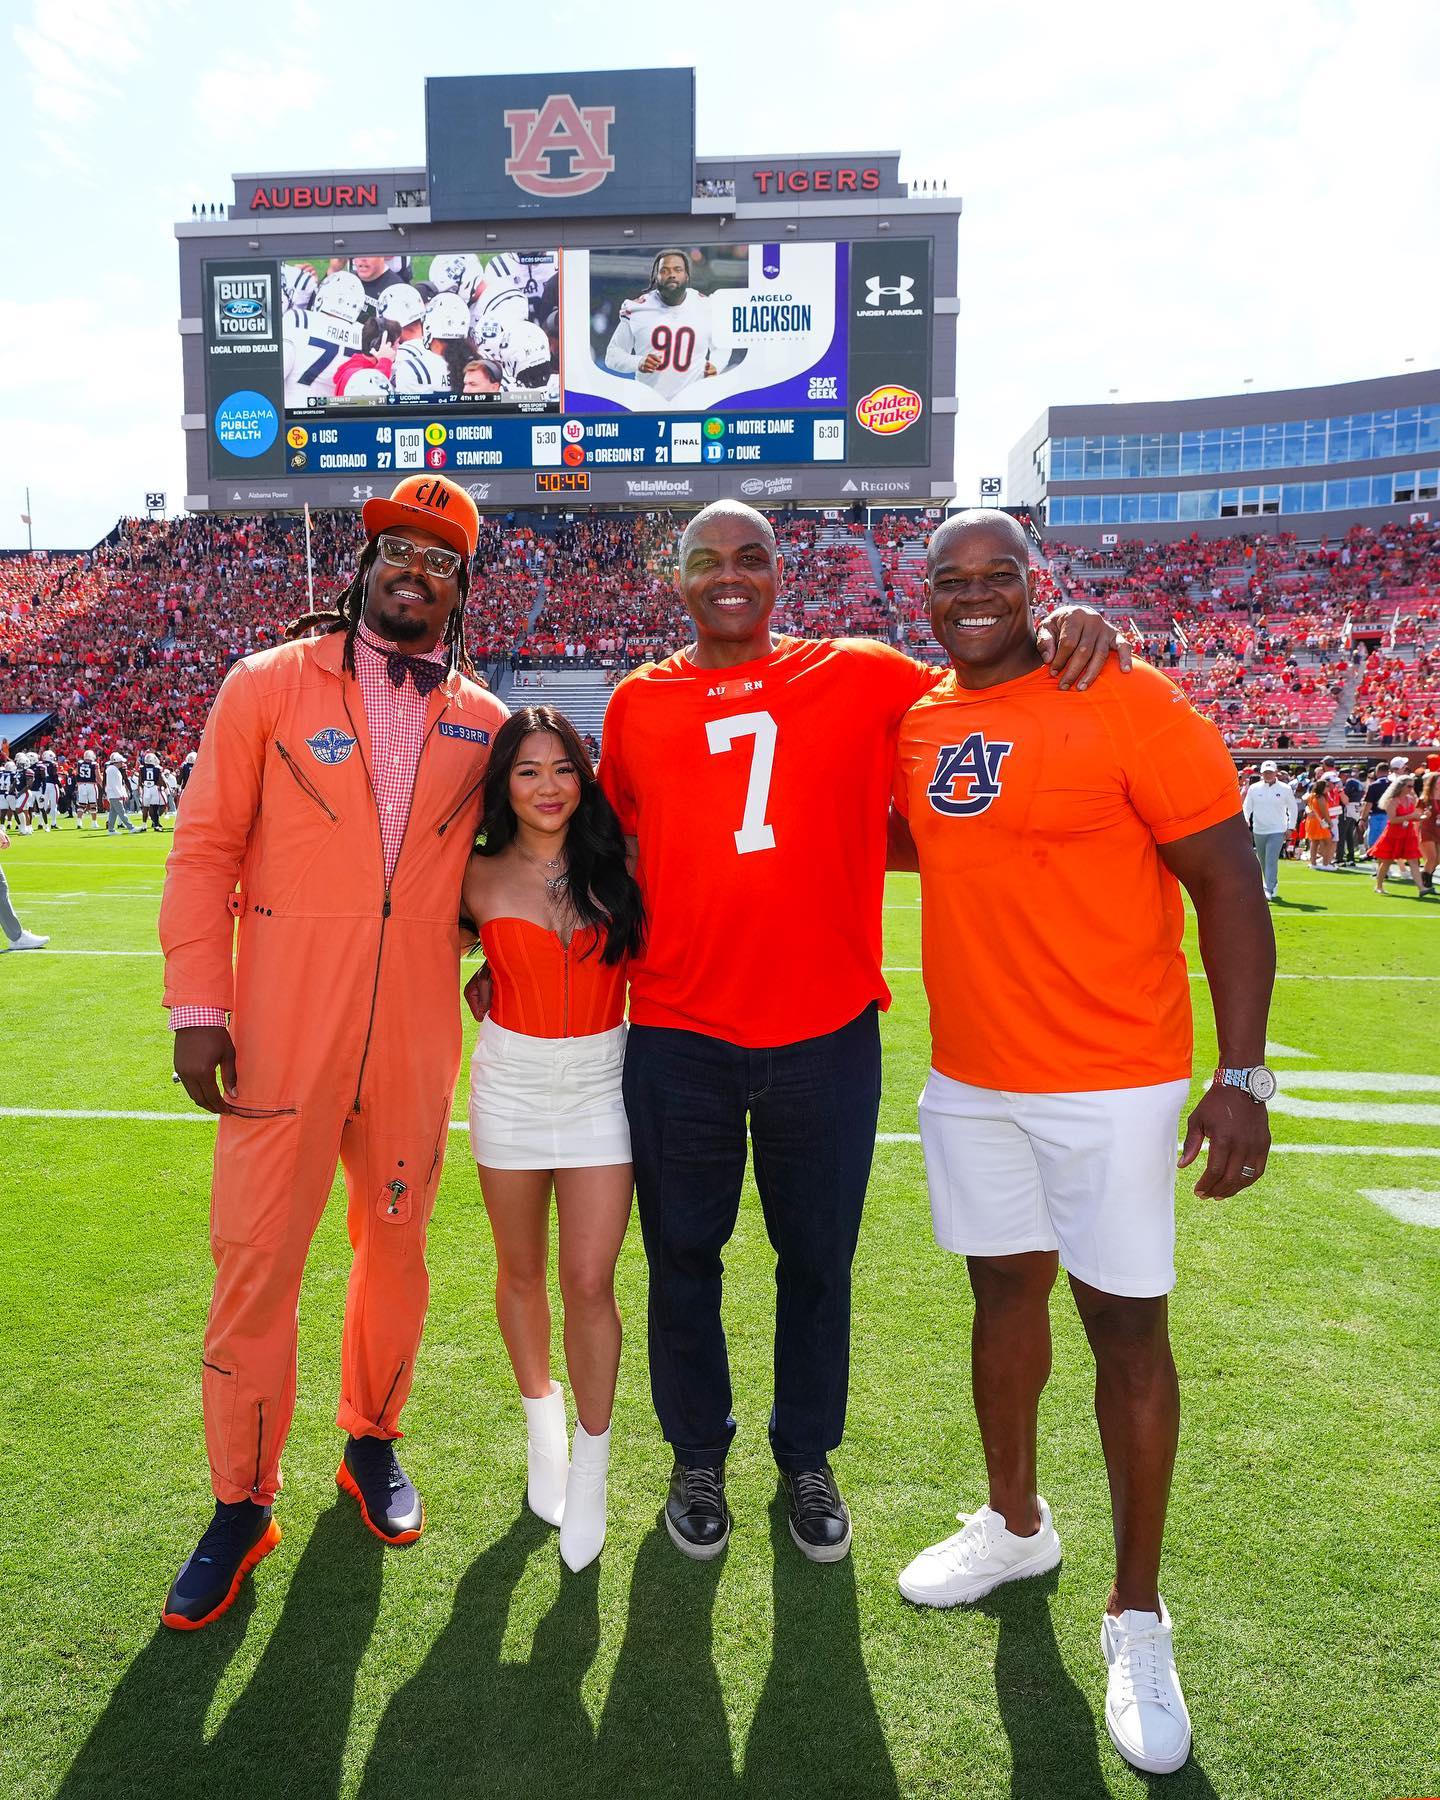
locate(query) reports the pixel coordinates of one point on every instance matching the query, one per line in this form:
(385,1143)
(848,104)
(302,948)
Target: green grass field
(1302,1567)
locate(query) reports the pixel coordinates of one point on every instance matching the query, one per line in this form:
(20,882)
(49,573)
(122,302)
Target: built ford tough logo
(472,734)
(330,745)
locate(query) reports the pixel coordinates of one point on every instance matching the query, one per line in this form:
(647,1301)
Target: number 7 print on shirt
(754,833)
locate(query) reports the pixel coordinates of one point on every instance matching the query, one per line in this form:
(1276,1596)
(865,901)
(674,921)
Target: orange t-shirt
(758,795)
(543,988)
(1050,927)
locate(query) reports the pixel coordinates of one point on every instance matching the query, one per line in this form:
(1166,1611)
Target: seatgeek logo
(967,776)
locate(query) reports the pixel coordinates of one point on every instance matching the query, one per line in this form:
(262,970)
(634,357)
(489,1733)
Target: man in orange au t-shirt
(753,774)
(1050,1115)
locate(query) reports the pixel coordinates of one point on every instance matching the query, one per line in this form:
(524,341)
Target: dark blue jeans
(811,1109)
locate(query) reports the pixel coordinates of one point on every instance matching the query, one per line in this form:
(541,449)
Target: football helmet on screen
(342,295)
(457,272)
(447,317)
(399,305)
(523,353)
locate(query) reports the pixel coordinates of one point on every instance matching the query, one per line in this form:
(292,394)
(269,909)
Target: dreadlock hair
(349,607)
(602,891)
(654,283)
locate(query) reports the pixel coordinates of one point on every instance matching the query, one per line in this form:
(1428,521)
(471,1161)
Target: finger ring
(1245,1169)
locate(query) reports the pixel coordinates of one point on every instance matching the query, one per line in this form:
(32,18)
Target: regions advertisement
(437,330)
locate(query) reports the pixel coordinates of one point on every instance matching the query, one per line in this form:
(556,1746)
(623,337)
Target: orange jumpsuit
(345,1019)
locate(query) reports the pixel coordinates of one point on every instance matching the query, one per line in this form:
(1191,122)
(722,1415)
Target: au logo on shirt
(967,776)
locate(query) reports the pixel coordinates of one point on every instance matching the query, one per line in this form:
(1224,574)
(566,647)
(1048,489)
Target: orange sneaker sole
(257,1553)
(347,1483)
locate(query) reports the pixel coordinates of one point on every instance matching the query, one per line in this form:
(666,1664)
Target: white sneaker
(582,1528)
(1145,1711)
(978,1558)
(547,1454)
(27,940)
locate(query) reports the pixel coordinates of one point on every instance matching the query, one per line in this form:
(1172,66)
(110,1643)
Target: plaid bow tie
(427,676)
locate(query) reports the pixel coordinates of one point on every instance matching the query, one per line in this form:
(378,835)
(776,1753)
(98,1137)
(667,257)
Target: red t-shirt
(759,796)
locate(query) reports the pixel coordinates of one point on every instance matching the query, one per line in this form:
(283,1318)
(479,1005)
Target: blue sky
(1163,200)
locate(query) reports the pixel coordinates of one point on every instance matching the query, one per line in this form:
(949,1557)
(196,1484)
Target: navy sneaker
(370,1473)
(696,1514)
(239,1536)
(819,1518)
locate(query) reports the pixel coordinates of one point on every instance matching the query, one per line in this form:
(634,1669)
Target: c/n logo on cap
(967,776)
(434,494)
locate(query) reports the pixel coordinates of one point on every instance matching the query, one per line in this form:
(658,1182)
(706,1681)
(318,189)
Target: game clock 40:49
(562,481)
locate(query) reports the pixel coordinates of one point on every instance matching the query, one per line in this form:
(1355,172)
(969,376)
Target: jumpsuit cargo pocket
(252,1200)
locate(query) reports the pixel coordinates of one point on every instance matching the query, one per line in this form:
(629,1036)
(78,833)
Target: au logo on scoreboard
(244,308)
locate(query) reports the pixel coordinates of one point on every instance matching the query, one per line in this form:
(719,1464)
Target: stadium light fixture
(629,231)
(489,237)
(253,244)
(339,243)
(884,225)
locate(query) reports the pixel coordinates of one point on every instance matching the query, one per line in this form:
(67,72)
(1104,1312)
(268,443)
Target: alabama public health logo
(246,424)
(886,410)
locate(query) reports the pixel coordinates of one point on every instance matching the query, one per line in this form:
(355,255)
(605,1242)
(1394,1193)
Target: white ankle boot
(582,1530)
(547,1454)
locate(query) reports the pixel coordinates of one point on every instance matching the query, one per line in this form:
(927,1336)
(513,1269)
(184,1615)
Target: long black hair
(349,608)
(602,891)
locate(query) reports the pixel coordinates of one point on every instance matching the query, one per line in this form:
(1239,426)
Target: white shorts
(1091,1175)
(547,1103)
(85,793)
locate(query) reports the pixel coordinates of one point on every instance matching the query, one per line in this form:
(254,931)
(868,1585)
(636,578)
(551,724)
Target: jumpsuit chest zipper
(389,879)
(306,786)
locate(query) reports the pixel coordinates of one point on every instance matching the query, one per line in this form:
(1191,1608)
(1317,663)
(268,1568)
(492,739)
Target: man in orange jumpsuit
(325,831)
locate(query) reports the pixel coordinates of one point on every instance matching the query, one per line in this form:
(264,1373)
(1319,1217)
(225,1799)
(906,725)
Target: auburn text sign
(597,142)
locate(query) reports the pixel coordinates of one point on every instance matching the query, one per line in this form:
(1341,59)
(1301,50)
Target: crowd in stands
(1274,639)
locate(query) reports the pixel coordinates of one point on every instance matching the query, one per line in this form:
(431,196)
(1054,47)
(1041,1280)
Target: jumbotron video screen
(641,356)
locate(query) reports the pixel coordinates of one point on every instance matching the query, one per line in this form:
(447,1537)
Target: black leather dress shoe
(238,1537)
(370,1472)
(696,1515)
(819,1518)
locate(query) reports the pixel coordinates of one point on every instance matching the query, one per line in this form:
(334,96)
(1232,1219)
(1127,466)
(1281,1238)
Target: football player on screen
(666,337)
(436,364)
(316,342)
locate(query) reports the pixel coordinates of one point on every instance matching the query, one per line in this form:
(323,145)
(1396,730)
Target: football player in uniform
(298,282)
(9,788)
(316,341)
(152,788)
(457,272)
(437,363)
(87,787)
(666,336)
(756,771)
(50,792)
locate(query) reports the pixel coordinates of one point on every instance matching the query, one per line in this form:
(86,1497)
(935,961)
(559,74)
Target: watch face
(1262,1084)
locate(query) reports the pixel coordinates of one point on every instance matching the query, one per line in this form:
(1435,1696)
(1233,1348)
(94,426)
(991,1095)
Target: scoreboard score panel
(717,357)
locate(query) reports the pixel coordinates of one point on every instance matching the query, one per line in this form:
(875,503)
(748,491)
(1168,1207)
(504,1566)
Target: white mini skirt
(547,1103)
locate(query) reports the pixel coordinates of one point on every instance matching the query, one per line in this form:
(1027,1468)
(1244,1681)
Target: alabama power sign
(595,142)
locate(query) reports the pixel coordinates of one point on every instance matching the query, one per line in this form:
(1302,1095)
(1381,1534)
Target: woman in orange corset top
(558,912)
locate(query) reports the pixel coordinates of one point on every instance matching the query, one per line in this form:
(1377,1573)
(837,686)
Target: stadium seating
(1283,644)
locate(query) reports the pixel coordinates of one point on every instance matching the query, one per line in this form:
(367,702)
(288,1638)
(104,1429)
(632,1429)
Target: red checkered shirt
(396,719)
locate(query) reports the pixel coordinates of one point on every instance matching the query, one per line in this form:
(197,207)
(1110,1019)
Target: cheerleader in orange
(1317,825)
(1400,840)
(559,914)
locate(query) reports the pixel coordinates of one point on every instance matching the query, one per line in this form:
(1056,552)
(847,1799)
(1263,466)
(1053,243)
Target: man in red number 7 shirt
(754,773)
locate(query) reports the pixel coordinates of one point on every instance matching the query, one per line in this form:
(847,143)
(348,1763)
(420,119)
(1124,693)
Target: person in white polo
(1271,810)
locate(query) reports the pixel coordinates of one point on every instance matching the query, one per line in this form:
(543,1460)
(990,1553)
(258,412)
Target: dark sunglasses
(399,552)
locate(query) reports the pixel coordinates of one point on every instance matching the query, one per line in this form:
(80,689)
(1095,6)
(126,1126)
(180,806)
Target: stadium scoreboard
(564,304)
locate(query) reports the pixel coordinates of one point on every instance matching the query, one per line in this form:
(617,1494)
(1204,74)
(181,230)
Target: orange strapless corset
(543,988)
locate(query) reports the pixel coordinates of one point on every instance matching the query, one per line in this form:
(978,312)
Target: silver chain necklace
(555,885)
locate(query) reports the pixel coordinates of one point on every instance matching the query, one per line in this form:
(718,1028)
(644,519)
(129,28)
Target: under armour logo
(903,290)
(974,769)
(559,128)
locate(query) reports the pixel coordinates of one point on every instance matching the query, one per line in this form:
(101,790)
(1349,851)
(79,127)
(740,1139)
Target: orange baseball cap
(432,503)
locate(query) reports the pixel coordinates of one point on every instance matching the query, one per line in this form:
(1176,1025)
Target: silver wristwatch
(1259,1082)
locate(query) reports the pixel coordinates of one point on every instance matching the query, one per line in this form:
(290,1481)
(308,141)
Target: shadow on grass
(467,1723)
(664,1730)
(1057,1737)
(294,1714)
(816,1730)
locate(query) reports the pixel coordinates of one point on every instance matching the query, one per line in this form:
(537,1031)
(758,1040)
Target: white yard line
(1424,1151)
